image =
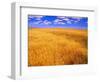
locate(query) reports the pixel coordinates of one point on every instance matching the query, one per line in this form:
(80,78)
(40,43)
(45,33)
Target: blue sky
(41,21)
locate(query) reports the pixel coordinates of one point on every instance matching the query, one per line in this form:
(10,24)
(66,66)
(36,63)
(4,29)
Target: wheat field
(57,46)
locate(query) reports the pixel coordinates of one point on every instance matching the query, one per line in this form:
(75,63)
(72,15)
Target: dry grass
(57,46)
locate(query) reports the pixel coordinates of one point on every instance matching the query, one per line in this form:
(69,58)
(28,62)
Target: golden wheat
(56,46)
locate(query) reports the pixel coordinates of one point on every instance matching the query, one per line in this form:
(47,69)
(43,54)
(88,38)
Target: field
(57,46)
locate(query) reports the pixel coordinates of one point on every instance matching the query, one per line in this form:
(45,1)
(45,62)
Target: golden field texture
(57,46)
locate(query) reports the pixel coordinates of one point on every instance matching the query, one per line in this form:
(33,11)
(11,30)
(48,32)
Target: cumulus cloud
(37,22)
(69,22)
(66,19)
(30,16)
(63,18)
(46,22)
(35,17)
(57,20)
(38,17)
(61,23)
(77,18)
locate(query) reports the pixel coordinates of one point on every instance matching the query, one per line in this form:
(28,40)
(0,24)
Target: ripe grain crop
(57,46)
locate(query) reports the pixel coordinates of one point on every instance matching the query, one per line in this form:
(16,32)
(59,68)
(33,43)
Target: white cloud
(37,22)
(63,18)
(66,19)
(38,17)
(61,23)
(35,16)
(46,22)
(77,18)
(76,21)
(57,20)
(69,22)
(30,16)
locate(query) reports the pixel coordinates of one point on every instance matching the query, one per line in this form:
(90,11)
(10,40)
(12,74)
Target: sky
(43,21)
